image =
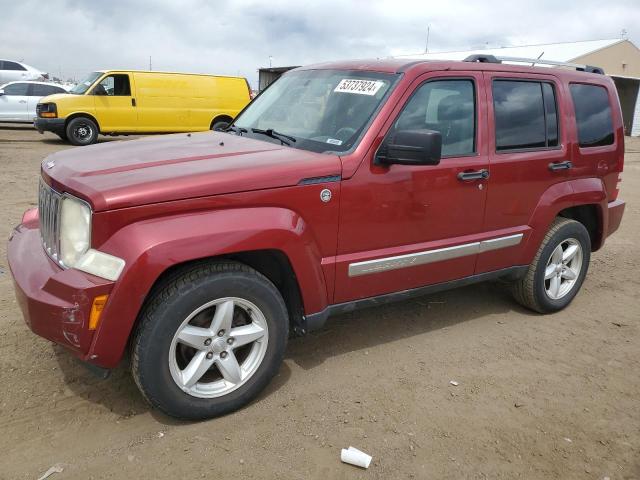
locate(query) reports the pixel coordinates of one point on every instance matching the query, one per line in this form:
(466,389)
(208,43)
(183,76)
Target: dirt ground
(539,397)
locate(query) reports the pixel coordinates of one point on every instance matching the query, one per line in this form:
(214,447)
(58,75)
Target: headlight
(75,230)
(47,110)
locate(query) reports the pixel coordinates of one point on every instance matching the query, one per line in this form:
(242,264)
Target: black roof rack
(533,61)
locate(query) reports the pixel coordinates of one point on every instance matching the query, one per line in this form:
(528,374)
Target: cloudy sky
(74,37)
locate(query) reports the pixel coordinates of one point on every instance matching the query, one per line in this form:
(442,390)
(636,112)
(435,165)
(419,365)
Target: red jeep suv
(341,186)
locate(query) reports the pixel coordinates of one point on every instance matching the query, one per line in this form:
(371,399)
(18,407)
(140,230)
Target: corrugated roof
(561,52)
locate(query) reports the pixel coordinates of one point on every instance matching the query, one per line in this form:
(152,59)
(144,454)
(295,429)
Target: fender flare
(558,197)
(150,247)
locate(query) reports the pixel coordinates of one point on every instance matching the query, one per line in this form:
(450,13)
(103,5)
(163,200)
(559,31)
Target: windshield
(84,85)
(317,110)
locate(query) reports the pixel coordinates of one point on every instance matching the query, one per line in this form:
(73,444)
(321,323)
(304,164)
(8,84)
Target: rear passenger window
(448,107)
(525,115)
(38,90)
(20,89)
(593,115)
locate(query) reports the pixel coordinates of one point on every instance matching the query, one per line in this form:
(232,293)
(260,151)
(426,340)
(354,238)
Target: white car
(18,100)
(11,71)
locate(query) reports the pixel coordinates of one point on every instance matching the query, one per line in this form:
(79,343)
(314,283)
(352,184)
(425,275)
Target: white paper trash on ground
(355,457)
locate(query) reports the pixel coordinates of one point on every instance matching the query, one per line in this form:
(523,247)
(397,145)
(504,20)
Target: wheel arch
(274,241)
(583,200)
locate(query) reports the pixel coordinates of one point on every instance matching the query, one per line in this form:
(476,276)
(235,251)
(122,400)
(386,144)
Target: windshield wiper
(270,132)
(236,130)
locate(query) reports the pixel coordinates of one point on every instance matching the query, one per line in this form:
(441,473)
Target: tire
(219,125)
(162,365)
(549,284)
(81,131)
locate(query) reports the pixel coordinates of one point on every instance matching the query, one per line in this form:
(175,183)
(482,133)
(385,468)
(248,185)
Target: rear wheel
(558,270)
(209,341)
(220,125)
(82,131)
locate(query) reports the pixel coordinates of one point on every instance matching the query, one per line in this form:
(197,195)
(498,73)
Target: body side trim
(431,256)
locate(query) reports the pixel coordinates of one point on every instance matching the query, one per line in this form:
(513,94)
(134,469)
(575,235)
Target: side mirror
(411,147)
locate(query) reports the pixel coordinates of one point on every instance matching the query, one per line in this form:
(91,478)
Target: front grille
(49,202)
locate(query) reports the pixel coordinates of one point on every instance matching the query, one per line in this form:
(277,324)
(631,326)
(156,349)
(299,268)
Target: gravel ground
(538,397)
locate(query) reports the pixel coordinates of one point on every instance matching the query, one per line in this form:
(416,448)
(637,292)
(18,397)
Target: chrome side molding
(430,256)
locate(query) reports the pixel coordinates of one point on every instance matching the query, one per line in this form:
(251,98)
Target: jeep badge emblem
(50,164)
(325,195)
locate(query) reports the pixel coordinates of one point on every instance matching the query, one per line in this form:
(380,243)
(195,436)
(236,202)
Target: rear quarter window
(593,115)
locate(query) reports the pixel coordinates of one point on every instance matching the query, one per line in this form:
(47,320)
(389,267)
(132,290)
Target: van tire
(531,290)
(219,125)
(153,347)
(81,131)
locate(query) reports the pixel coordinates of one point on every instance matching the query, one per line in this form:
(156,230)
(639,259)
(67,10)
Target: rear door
(14,103)
(115,105)
(405,226)
(528,153)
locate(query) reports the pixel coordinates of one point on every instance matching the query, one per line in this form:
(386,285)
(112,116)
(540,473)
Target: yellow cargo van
(124,101)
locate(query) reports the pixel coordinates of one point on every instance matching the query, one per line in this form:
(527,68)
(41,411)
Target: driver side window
(448,107)
(116,85)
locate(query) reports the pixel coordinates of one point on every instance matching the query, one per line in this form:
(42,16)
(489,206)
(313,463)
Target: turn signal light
(96,310)
(48,114)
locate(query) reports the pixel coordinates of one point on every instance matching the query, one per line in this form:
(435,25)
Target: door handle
(22,101)
(566,165)
(133,102)
(473,175)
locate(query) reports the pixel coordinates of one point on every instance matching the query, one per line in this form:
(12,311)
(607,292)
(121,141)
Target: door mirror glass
(411,147)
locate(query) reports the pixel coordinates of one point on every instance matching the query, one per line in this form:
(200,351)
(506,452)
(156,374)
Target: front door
(14,103)
(403,227)
(115,105)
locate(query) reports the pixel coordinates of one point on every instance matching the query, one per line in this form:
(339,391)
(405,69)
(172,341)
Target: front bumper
(55,125)
(55,302)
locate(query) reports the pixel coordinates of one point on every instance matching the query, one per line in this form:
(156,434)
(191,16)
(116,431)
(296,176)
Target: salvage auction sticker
(361,87)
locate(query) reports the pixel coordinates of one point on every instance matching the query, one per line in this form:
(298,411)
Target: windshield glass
(317,110)
(84,85)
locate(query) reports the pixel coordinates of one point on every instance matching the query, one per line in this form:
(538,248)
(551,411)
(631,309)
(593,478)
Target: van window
(525,115)
(116,85)
(448,107)
(593,115)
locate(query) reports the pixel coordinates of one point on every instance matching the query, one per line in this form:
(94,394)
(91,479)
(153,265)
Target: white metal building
(619,58)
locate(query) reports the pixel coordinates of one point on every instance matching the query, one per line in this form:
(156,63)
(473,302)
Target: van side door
(528,153)
(115,104)
(407,226)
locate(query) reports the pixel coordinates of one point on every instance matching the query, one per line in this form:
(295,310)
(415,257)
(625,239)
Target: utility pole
(270,59)
(426,48)
(150,63)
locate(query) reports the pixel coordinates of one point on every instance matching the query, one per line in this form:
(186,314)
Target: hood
(173,167)
(56,97)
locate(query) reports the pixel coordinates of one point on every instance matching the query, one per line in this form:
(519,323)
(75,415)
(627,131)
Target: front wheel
(558,269)
(81,131)
(219,125)
(209,341)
